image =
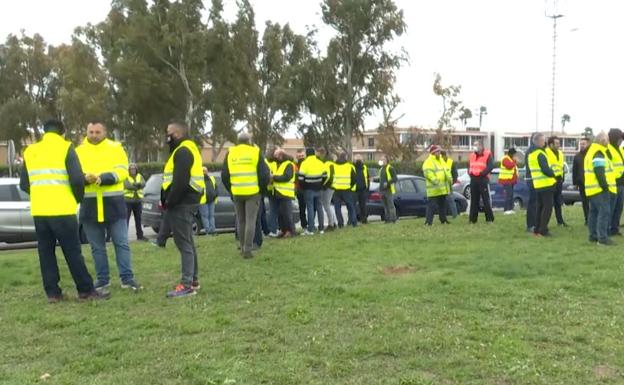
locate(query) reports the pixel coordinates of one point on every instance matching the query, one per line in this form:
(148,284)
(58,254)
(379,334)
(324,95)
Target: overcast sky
(499,51)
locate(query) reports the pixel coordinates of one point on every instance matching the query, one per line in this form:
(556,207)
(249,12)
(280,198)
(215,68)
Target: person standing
(614,153)
(105,165)
(181,191)
(387,180)
(362,186)
(284,182)
(134,185)
(303,220)
(557,161)
(531,209)
(52,176)
(270,229)
(479,168)
(599,187)
(312,176)
(208,202)
(343,183)
(543,179)
(327,191)
(437,178)
(578,174)
(450,200)
(508,177)
(246,176)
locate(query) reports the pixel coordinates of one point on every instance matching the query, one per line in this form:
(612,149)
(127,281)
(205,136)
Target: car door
(421,197)
(26,219)
(11,208)
(406,198)
(497,195)
(224,209)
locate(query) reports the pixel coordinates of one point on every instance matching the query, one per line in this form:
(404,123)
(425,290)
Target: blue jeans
(273,213)
(509,197)
(96,234)
(314,204)
(345,196)
(599,217)
(617,202)
(207,213)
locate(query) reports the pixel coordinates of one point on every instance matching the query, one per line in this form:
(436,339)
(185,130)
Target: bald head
(244,138)
(177,130)
(602,138)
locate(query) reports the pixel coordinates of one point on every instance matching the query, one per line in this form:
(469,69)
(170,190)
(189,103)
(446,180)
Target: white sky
(499,51)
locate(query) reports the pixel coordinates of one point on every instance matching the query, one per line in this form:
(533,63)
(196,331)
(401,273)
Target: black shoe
(593,240)
(55,298)
(95,295)
(247,255)
(563,224)
(607,242)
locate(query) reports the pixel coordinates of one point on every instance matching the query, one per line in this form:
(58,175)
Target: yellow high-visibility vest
(196,181)
(273,169)
(242,163)
(314,170)
(213,181)
(342,176)
(50,191)
(388,177)
(130,193)
(105,157)
(556,163)
(617,160)
(540,180)
(287,188)
(592,187)
(437,177)
(506,173)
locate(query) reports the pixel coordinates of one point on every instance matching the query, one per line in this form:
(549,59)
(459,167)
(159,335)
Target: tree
(398,146)
(464,114)
(360,61)
(451,105)
(565,118)
(588,133)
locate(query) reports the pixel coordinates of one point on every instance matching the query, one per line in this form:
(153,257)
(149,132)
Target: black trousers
(544,207)
(479,191)
(63,229)
(164,232)
(438,202)
(584,201)
(558,201)
(531,209)
(302,209)
(362,199)
(180,220)
(285,219)
(136,208)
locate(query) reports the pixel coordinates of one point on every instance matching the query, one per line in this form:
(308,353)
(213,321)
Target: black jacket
(264,174)
(289,172)
(180,190)
(211,190)
(361,181)
(74,170)
(578,168)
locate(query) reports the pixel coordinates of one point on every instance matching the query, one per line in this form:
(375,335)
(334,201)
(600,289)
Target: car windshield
(152,187)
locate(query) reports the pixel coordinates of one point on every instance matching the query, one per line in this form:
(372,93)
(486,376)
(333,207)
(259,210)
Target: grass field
(403,304)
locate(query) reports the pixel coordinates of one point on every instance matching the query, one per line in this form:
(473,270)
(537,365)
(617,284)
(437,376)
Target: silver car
(16,223)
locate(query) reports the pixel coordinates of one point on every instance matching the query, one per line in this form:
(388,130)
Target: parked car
(224,209)
(571,194)
(410,198)
(16,223)
(497,195)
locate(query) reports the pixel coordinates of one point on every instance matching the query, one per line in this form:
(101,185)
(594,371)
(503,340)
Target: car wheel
(518,203)
(467,192)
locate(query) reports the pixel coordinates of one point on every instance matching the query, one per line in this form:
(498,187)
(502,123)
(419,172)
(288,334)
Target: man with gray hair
(543,181)
(246,176)
(531,209)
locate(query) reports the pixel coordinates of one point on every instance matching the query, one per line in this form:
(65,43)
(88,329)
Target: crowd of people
(96,175)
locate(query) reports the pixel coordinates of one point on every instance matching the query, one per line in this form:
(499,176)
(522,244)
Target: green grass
(483,304)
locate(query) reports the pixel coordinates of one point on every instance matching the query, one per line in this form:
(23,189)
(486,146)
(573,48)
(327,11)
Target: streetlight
(554,18)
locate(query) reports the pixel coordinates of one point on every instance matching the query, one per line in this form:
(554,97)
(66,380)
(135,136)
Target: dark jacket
(180,191)
(600,174)
(211,190)
(264,174)
(383,180)
(362,183)
(578,168)
(289,172)
(74,170)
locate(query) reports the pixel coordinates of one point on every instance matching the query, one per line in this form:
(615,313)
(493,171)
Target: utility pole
(554,18)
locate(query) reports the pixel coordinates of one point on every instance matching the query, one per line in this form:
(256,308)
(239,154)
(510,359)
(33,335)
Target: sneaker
(95,295)
(607,242)
(101,284)
(509,212)
(156,244)
(131,284)
(273,235)
(306,232)
(195,285)
(142,239)
(322,232)
(181,291)
(55,298)
(247,255)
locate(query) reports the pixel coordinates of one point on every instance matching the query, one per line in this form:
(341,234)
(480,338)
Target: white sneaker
(321,232)
(273,235)
(509,212)
(306,232)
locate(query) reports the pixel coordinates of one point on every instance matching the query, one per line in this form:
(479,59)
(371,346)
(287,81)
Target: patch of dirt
(398,270)
(604,372)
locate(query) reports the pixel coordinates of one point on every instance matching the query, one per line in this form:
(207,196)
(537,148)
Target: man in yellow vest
(508,177)
(437,178)
(269,222)
(181,191)
(53,177)
(344,179)
(327,191)
(543,179)
(450,165)
(616,156)
(600,186)
(105,165)
(246,176)
(134,198)
(362,187)
(387,180)
(208,202)
(557,161)
(284,184)
(313,175)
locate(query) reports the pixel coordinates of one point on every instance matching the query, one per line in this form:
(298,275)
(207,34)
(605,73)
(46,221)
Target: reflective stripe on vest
(555,161)
(617,160)
(506,173)
(478,163)
(242,162)
(50,191)
(540,180)
(388,177)
(287,188)
(437,177)
(592,187)
(196,180)
(314,170)
(342,176)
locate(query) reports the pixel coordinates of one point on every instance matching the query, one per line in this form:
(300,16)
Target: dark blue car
(521,191)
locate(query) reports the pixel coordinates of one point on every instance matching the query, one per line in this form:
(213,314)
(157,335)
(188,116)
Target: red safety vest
(478,163)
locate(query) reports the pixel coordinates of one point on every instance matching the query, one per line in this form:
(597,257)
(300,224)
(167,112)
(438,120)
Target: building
(521,141)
